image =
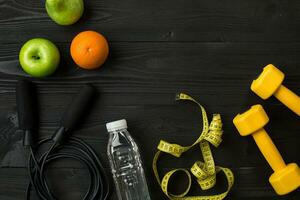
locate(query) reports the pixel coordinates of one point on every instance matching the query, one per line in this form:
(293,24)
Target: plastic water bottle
(126,164)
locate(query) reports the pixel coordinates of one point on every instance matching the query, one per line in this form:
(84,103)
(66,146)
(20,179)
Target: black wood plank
(167,20)
(72,183)
(178,64)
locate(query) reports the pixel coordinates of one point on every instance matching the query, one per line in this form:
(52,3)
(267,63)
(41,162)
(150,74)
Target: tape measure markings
(205,172)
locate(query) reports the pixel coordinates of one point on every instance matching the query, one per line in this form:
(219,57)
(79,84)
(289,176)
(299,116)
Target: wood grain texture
(166,20)
(210,49)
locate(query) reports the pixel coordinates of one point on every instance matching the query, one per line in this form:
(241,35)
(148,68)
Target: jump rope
(60,146)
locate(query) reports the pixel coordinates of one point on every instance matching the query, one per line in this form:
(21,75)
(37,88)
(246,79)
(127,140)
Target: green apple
(65,12)
(39,57)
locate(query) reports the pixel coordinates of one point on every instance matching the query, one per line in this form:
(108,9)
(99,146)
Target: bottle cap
(116,125)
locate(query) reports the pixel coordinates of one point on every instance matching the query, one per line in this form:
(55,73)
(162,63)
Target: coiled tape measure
(205,172)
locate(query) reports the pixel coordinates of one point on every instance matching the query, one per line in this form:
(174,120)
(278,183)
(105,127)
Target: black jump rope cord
(75,149)
(61,146)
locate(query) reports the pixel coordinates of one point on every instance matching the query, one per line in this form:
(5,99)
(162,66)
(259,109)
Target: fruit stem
(36,57)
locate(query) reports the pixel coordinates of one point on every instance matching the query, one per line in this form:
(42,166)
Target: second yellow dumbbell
(285,178)
(269,83)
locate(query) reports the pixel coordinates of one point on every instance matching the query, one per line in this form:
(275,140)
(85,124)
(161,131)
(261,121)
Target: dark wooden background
(211,49)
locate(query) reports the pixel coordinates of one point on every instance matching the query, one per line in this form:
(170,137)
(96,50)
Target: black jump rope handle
(74,112)
(25,96)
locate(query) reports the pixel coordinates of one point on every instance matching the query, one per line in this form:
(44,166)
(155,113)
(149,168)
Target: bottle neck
(117,131)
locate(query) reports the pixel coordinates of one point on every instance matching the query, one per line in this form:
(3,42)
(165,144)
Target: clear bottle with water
(126,164)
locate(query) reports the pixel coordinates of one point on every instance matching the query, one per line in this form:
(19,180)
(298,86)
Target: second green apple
(65,12)
(39,57)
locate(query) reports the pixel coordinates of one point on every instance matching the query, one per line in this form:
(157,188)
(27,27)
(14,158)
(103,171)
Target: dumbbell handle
(288,98)
(269,150)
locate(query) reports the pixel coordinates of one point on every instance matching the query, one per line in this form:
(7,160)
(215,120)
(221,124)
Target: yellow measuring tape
(205,172)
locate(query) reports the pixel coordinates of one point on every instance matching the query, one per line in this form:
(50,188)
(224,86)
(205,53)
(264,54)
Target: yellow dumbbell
(269,83)
(285,178)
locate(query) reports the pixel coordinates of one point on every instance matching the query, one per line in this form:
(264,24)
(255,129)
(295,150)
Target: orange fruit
(89,49)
